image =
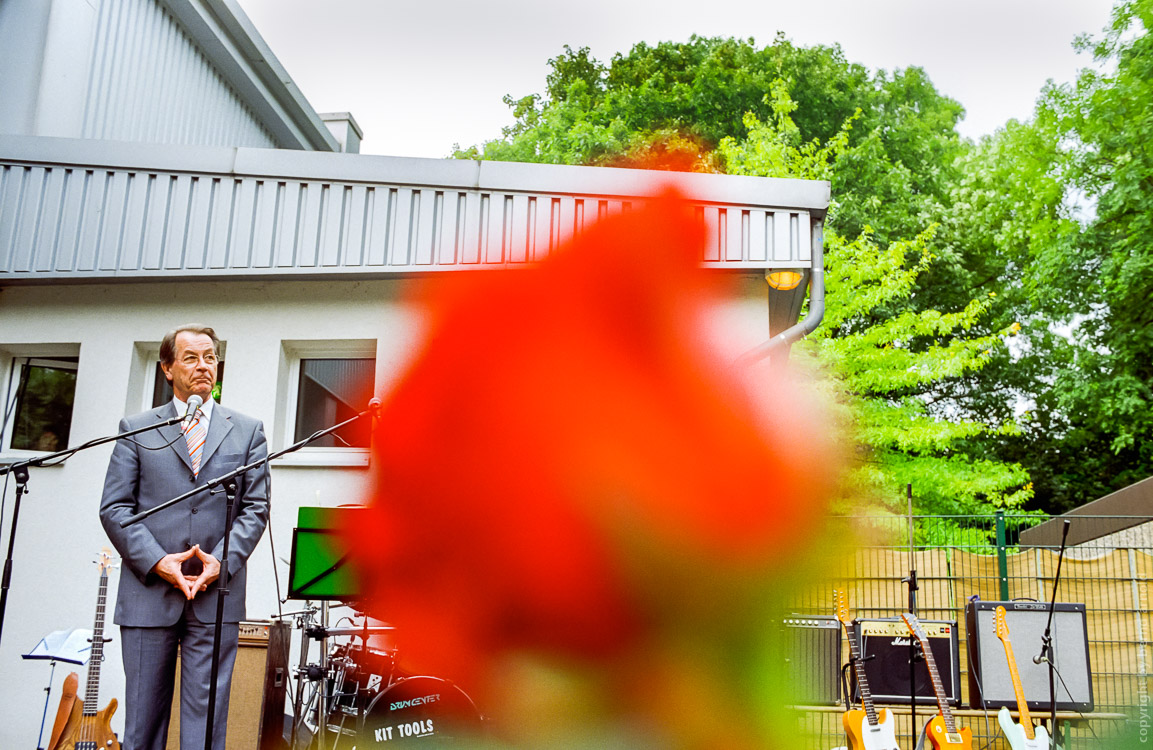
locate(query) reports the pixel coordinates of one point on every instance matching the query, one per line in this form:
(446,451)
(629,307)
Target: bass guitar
(942,730)
(867,728)
(1023,735)
(88,728)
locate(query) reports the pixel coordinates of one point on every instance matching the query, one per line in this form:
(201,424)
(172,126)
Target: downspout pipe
(779,344)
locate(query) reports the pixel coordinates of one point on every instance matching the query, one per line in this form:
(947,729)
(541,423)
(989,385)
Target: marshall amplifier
(812,651)
(887,641)
(989,681)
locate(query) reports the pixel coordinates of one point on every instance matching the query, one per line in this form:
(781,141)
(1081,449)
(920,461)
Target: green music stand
(320,566)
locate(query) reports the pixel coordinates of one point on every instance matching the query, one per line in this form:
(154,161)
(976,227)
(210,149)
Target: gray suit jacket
(139,478)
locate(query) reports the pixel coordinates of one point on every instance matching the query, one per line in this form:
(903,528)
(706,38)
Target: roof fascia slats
(212,213)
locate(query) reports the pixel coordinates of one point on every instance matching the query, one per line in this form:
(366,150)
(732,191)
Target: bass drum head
(420,712)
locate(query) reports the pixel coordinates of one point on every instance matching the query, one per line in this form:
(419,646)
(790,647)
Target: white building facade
(170,172)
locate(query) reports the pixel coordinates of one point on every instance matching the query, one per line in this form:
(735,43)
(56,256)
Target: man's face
(193,371)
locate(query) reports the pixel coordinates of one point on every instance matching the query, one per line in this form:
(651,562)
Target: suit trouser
(149,671)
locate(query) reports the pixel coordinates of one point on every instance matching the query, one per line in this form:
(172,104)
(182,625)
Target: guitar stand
(923,736)
(852,663)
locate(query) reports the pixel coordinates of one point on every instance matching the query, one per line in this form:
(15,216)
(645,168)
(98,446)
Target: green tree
(1054,215)
(1108,119)
(703,88)
(888,144)
(885,365)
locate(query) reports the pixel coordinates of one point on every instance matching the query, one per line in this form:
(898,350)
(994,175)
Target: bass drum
(420,712)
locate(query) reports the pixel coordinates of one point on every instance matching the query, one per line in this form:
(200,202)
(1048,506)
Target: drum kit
(359,697)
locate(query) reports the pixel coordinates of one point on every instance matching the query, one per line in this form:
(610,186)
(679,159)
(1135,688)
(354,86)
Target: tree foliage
(940,250)
(702,89)
(884,364)
(1055,216)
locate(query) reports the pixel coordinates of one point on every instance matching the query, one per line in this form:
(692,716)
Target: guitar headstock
(1002,627)
(105,561)
(914,626)
(841,605)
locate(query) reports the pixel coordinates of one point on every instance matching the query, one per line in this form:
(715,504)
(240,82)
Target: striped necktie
(195,435)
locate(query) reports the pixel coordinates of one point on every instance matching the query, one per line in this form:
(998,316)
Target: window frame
(12,357)
(288,394)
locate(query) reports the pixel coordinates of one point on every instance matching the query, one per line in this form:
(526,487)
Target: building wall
(114,328)
(128,70)
(23,28)
(149,82)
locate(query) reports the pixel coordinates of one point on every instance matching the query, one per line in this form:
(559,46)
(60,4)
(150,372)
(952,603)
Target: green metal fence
(960,557)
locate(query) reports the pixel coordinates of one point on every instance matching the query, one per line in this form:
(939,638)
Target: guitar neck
(862,681)
(938,688)
(96,656)
(1018,690)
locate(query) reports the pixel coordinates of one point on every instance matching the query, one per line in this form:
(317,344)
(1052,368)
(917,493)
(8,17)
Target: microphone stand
(20,471)
(228,480)
(913,642)
(1046,654)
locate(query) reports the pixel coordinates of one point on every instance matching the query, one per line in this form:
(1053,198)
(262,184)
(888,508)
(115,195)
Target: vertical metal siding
(149,82)
(64,221)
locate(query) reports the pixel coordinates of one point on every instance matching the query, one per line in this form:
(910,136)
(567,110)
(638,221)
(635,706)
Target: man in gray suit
(167,596)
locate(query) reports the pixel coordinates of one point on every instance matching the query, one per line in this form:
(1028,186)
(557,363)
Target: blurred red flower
(564,432)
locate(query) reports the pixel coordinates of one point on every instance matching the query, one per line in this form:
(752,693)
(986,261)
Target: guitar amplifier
(887,641)
(812,652)
(259,687)
(990,684)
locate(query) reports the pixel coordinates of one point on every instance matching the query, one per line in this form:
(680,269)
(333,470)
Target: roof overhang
(76,211)
(1127,507)
(235,48)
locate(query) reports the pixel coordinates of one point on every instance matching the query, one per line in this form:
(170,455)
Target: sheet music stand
(319,568)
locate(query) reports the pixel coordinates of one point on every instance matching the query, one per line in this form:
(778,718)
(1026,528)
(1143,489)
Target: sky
(422,75)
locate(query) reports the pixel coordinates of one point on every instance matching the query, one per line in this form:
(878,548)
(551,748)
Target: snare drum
(419,711)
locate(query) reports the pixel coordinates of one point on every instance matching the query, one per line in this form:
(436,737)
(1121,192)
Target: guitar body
(942,739)
(1015,733)
(865,736)
(92,732)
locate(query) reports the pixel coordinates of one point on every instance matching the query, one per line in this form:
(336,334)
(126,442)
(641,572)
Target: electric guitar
(1022,736)
(88,728)
(942,730)
(867,728)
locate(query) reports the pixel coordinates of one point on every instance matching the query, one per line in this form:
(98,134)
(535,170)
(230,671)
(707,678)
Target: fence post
(1002,557)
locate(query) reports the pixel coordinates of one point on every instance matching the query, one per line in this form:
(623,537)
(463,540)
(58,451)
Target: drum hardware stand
(1046,655)
(303,671)
(323,699)
(322,633)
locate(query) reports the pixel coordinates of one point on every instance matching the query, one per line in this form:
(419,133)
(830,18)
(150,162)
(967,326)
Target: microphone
(374,404)
(194,403)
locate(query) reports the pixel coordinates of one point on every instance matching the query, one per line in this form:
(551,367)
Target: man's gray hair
(168,343)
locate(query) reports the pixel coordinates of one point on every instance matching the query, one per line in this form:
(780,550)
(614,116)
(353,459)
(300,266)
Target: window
(330,391)
(322,383)
(38,404)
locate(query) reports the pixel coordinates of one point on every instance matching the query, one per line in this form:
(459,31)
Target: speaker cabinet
(989,682)
(259,686)
(887,642)
(812,651)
